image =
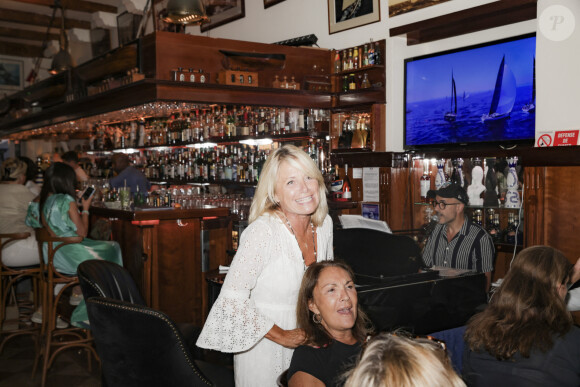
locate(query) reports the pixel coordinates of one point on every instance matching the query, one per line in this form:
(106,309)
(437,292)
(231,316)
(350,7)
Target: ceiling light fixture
(62,61)
(186,12)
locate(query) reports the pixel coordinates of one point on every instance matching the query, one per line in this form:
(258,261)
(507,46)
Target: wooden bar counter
(167,251)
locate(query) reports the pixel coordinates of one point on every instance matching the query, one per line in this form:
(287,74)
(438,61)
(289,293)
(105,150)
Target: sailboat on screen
(504,95)
(530,107)
(451,115)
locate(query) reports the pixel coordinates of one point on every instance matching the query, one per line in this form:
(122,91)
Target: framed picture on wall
(221,12)
(346,14)
(11,77)
(269,3)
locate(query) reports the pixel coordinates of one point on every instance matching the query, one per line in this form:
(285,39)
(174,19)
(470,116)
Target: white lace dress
(260,290)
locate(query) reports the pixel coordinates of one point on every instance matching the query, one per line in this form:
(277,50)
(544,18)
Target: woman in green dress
(64,218)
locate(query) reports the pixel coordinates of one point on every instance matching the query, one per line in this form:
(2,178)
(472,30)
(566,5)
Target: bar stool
(9,277)
(57,340)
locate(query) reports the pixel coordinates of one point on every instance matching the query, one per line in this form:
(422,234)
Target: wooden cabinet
(552,208)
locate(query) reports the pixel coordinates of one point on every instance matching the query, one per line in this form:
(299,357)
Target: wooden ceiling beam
(75,5)
(30,18)
(26,34)
(22,50)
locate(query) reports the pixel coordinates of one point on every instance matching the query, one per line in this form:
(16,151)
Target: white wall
(293,18)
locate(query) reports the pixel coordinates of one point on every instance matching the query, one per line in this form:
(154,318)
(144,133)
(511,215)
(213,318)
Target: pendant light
(62,61)
(186,12)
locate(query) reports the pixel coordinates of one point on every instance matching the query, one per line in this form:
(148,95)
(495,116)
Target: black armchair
(140,346)
(99,278)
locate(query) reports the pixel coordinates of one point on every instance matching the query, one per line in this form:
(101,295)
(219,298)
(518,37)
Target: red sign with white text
(566,138)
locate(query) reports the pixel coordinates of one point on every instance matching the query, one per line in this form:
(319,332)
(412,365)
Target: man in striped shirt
(457,242)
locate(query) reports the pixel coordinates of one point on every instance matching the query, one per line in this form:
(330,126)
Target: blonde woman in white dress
(254,316)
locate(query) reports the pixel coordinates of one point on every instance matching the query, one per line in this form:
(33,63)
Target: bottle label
(425,186)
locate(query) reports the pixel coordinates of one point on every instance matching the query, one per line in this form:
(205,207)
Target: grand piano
(397,292)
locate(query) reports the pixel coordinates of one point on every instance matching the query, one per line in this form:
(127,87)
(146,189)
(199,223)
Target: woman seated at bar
(335,326)
(392,360)
(255,313)
(57,210)
(13,206)
(526,337)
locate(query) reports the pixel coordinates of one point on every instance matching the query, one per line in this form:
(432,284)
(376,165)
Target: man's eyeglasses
(442,205)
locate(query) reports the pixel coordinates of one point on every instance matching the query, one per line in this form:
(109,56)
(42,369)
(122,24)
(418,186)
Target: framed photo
(398,7)
(11,77)
(221,12)
(370,211)
(347,14)
(269,3)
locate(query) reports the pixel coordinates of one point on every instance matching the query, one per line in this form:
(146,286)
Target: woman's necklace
(293,233)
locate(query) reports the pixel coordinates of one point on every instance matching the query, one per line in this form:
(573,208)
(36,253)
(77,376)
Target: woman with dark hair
(334,324)
(526,337)
(57,210)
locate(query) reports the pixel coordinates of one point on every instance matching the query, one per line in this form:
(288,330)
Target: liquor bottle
(350,63)
(337,62)
(510,231)
(351,82)
(378,58)
(345,84)
(39,178)
(346,187)
(355,58)
(478,217)
(344,60)
(371,53)
(425,181)
(441,176)
(365,84)
(365,56)
(490,225)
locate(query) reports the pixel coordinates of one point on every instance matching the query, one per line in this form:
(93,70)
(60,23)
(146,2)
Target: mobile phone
(89,191)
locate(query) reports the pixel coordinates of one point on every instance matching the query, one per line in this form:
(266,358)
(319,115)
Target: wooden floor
(69,368)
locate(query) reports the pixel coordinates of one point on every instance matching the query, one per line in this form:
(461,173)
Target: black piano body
(396,292)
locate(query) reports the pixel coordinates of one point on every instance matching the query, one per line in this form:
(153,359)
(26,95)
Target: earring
(317,318)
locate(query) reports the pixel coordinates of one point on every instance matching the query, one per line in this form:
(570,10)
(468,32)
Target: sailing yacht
(530,107)
(451,115)
(504,95)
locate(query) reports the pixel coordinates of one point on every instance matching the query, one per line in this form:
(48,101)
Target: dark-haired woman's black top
(560,366)
(326,364)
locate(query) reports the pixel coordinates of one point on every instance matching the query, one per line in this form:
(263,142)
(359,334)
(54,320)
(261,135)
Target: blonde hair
(396,361)
(264,197)
(12,169)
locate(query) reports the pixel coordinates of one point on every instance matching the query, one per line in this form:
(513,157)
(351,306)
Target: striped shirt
(472,248)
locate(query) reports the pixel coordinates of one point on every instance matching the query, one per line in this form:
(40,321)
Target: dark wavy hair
(527,310)
(58,178)
(316,333)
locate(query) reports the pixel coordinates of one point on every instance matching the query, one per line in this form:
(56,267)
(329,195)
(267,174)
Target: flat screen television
(478,95)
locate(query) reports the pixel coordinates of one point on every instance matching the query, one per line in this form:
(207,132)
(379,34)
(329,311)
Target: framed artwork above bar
(346,14)
(222,12)
(269,3)
(11,76)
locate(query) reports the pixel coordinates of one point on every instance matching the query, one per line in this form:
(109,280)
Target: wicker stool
(57,340)
(9,277)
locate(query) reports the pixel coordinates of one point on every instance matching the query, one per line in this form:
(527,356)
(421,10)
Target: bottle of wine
(425,181)
(346,187)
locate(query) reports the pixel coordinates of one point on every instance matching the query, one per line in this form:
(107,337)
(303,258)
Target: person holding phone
(56,209)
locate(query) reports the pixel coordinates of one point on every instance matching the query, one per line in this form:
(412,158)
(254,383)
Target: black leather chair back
(376,253)
(141,347)
(100,278)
